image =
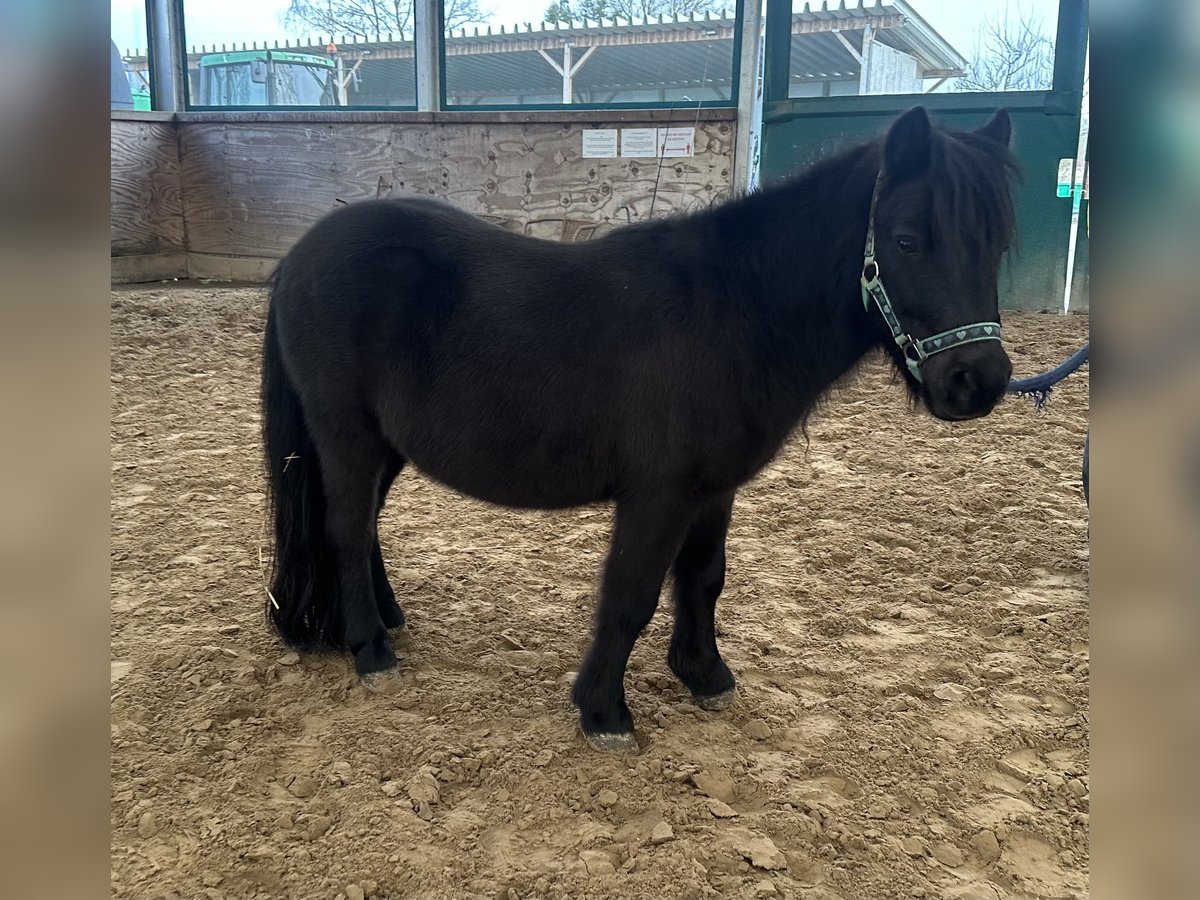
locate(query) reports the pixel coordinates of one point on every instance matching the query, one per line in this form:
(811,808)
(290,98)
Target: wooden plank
(205,176)
(253,189)
(276,180)
(145,193)
(535,173)
(352,116)
(230,268)
(148,267)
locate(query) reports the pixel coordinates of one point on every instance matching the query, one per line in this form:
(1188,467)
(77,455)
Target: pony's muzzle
(967,382)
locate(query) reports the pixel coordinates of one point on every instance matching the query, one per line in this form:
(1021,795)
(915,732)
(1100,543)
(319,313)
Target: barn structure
(879,49)
(430,110)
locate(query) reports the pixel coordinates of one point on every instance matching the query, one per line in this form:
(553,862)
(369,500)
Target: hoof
(716,702)
(376,656)
(386,682)
(612,742)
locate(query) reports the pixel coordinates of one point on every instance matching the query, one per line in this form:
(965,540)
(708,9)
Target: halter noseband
(915,351)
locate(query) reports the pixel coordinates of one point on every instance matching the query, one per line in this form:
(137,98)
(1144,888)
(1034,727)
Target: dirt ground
(906,612)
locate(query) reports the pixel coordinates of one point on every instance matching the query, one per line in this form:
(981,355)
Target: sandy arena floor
(906,611)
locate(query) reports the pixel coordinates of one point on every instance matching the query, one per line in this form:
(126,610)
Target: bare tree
(370,18)
(593,10)
(1010,55)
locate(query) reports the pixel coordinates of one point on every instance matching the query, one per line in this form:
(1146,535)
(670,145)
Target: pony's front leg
(699,577)
(646,537)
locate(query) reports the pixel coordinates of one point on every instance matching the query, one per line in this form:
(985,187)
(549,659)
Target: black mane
(973,189)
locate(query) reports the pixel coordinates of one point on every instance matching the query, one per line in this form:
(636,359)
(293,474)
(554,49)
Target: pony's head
(942,220)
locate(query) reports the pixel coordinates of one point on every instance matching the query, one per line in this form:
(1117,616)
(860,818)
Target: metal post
(750,98)
(168,73)
(340,81)
(1079,176)
(567,70)
(865,65)
(778,50)
(567,73)
(428,32)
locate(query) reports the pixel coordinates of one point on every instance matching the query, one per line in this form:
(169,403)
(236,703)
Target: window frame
(188,106)
(438,101)
(151,77)
(1062,97)
(732,103)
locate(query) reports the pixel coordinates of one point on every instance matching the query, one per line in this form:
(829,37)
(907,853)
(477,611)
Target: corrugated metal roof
(615,68)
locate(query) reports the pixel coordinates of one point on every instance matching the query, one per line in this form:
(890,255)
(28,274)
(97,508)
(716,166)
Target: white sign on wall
(676,142)
(639,142)
(599,143)
(651,142)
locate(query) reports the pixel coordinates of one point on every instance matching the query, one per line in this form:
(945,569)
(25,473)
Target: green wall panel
(796,135)
(798,132)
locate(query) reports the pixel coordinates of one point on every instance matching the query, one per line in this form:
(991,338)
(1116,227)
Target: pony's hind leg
(385,598)
(645,539)
(699,577)
(352,458)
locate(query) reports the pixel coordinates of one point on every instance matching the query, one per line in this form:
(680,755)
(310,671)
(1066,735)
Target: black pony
(659,367)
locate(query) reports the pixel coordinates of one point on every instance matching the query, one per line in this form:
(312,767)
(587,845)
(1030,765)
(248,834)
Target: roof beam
(849,46)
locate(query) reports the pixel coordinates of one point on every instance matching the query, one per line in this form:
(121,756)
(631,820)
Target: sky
(225,21)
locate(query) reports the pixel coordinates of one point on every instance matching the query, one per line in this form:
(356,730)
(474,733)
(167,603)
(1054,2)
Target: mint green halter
(915,351)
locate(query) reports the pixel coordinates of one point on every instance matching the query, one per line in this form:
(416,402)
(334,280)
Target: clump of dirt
(906,611)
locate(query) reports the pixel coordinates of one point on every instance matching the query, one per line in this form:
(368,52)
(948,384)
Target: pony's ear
(906,149)
(998,128)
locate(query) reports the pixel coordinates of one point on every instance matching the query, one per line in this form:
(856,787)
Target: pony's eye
(906,245)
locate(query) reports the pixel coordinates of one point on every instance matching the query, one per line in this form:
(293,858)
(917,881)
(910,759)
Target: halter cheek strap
(915,351)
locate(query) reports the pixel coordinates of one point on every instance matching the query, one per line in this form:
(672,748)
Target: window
(130,67)
(300,53)
(594,52)
(920,46)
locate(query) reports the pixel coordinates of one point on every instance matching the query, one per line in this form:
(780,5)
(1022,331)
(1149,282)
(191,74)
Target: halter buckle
(915,358)
(870,279)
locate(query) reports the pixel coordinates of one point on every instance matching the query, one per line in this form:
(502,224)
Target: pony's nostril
(963,383)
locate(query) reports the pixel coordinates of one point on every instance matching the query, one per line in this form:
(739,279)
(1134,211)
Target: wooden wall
(149,240)
(250,189)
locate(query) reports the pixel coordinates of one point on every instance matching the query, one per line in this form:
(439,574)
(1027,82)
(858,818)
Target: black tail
(302,604)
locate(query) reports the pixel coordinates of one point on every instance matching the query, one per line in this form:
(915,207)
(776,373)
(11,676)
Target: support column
(567,70)
(168,72)
(778,50)
(566,73)
(865,65)
(428,28)
(749,108)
